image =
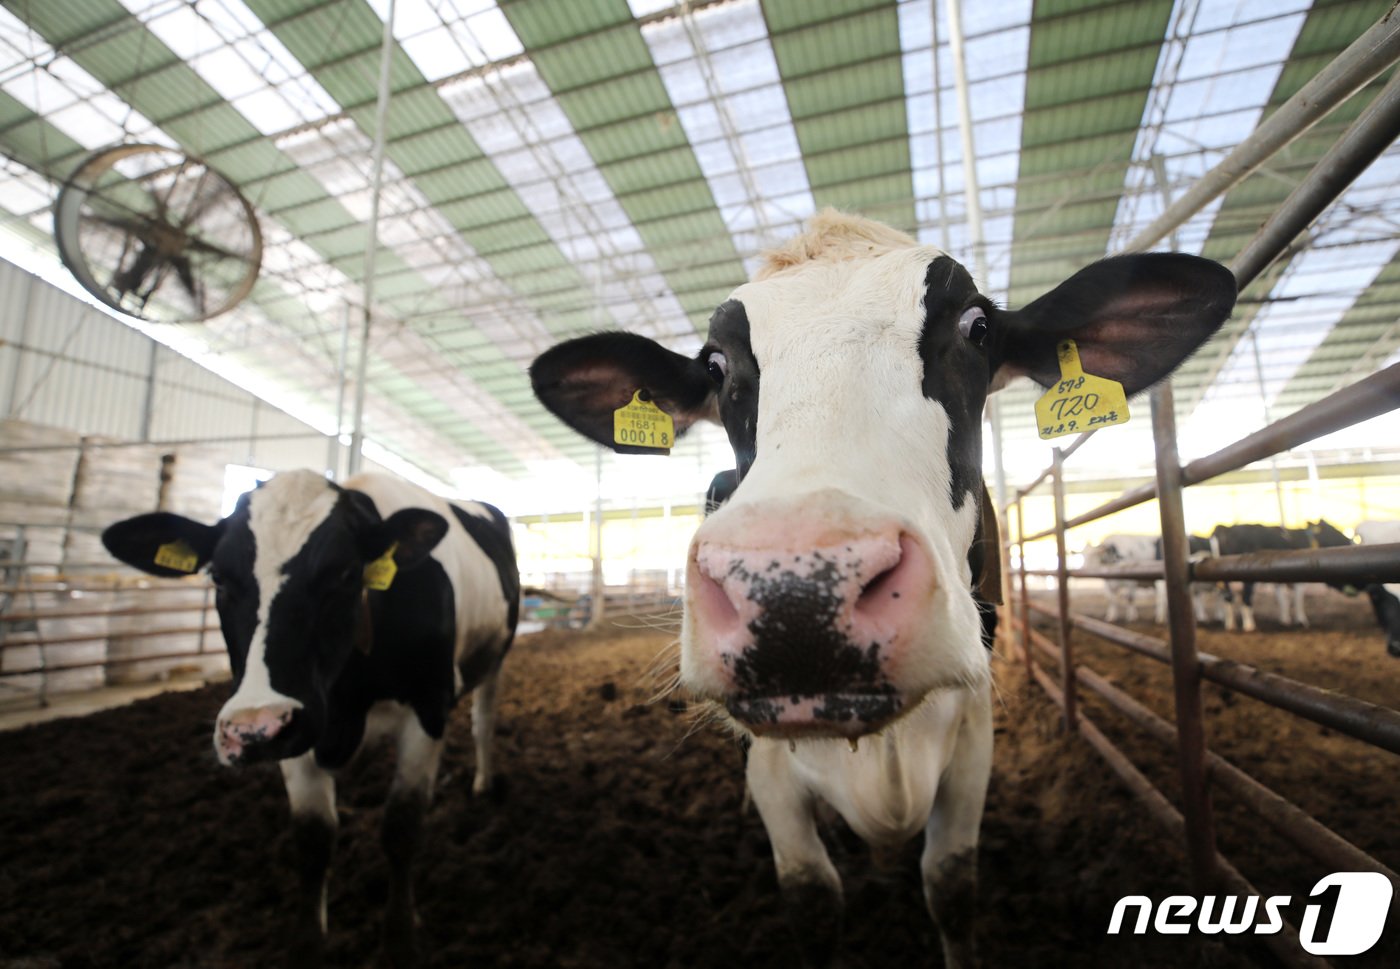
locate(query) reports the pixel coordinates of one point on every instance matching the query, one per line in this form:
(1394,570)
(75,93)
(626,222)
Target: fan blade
(196,244)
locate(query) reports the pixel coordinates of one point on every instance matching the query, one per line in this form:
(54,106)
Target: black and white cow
(1250,537)
(831,599)
(321,662)
(1124,549)
(1385,599)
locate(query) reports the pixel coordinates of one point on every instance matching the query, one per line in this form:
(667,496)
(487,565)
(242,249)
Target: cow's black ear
(583,381)
(163,543)
(411,532)
(1134,318)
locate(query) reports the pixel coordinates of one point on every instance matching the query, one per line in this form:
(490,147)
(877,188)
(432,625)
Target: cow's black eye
(973,324)
(717,366)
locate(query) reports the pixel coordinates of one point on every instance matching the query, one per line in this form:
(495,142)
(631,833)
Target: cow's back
(485,615)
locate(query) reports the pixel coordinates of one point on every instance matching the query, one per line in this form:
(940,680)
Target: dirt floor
(619,840)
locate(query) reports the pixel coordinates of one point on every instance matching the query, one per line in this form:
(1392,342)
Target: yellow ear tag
(379,574)
(177,555)
(641,424)
(1080,401)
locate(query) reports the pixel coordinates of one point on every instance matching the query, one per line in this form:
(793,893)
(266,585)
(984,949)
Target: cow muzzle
(255,734)
(806,633)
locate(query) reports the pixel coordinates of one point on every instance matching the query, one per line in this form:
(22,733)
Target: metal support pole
(20,349)
(1025,624)
(595,620)
(1268,419)
(972,199)
(1181,620)
(148,400)
(943,240)
(335,449)
(381,117)
(1057,482)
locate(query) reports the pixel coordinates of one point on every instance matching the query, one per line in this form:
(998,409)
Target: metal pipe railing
(46,643)
(1377,725)
(104,663)
(1287,818)
(1352,69)
(1284,944)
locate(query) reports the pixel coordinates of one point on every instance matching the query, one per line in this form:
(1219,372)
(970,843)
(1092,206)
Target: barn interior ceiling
(552,167)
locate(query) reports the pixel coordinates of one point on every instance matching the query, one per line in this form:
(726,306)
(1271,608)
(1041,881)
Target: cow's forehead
(885,290)
(284,512)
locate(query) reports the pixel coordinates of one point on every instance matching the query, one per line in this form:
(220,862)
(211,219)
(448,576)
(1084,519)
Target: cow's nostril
(897,581)
(714,600)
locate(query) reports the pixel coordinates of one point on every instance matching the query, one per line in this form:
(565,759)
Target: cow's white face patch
(282,514)
(850,454)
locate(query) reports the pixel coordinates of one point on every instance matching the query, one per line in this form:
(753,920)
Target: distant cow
(829,604)
(1132,549)
(1123,550)
(1247,538)
(1385,599)
(348,612)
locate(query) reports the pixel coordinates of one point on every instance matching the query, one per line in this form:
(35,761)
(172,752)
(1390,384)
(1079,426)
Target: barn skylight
(722,77)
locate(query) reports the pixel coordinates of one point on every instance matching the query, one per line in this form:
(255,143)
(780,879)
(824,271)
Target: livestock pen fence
(71,617)
(1200,769)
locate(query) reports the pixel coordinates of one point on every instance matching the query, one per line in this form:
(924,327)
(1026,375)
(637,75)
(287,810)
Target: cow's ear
(163,543)
(583,381)
(411,532)
(1134,318)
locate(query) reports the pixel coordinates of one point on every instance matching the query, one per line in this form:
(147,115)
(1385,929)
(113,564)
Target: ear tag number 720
(1080,401)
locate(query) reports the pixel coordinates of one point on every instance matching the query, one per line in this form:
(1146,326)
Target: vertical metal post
(972,200)
(599,589)
(1025,590)
(381,117)
(1268,419)
(203,616)
(938,135)
(20,348)
(1181,621)
(334,450)
(1067,684)
(148,400)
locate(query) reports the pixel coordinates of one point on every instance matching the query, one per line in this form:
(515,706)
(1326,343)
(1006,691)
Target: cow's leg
(1159,593)
(1247,608)
(311,792)
(484,699)
(412,789)
(1227,608)
(810,885)
(1130,597)
(1282,593)
(950,841)
(1112,614)
(1299,616)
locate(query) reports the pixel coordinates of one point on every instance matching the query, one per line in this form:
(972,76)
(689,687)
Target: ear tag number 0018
(177,555)
(379,574)
(641,424)
(1080,401)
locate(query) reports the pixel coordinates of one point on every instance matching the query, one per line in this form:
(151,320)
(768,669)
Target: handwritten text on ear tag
(641,424)
(1080,401)
(177,555)
(379,574)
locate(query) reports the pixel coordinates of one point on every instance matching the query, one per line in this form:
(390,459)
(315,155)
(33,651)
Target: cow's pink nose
(799,625)
(239,731)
